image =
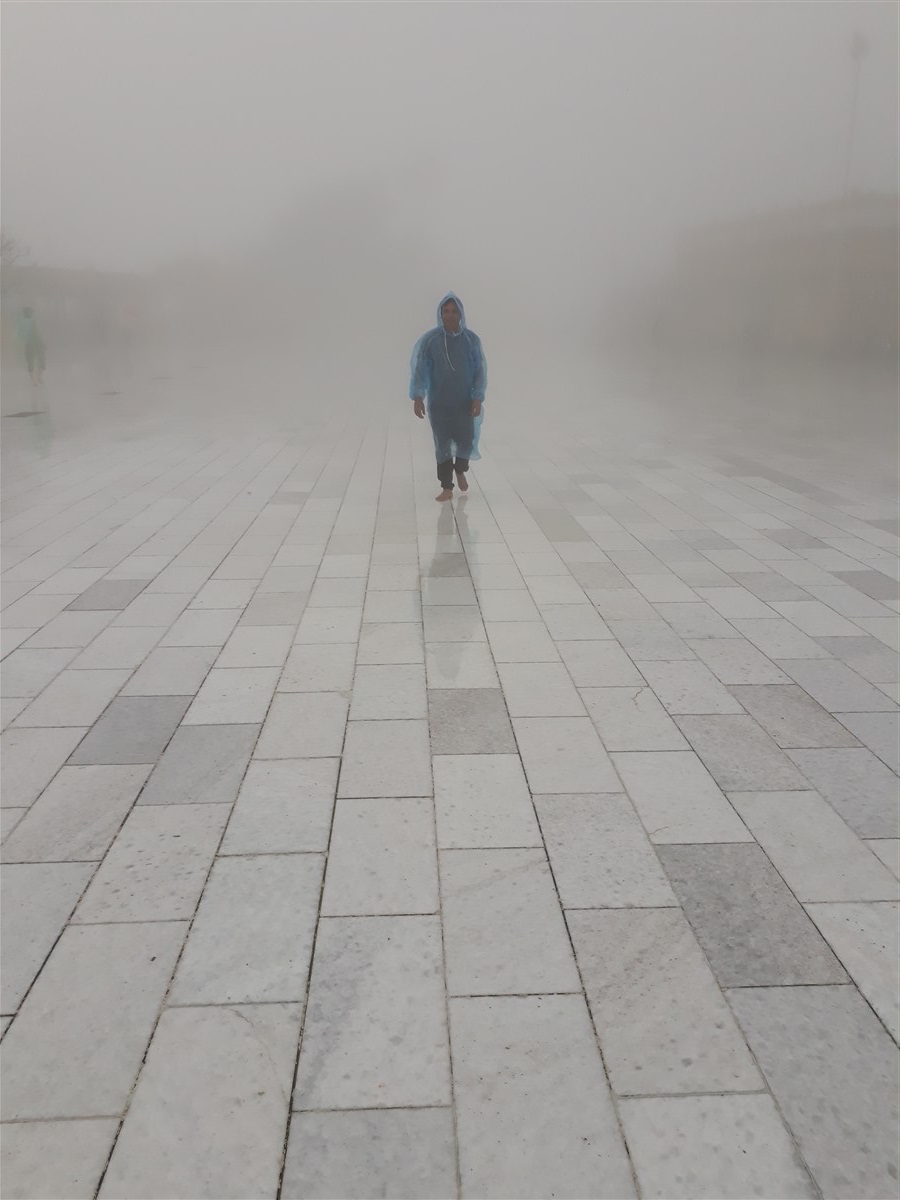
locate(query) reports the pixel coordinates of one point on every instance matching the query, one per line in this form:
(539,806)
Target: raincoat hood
(462,313)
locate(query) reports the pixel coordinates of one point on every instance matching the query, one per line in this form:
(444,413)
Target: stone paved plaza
(356,846)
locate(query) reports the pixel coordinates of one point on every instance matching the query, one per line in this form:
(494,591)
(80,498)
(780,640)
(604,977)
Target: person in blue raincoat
(449,377)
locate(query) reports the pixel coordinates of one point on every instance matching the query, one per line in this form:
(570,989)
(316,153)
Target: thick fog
(295,185)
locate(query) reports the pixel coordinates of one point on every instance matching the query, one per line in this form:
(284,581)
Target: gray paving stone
(210,1108)
(304,725)
(631,718)
(405,1153)
(275,608)
(677,799)
(27,672)
(453,623)
(737,661)
(739,755)
(390,643)
(72,629)
(118,648)
(836,687)
(888,850)
(283,807)
(880,732)
(252,937)
(233,696)
(202,628)
(621,604)
(375,1034)
(648,640)
(386,758)
(715,1147)
(37,900)
(203,764)
(157,866)
(29,758)
(600,854)
(482,800)
(539,690)
(865,938)
(381,859)
(108,595)
(563,755)
(779,639)
(319,668)
(791,717)
(663,1024)
(391,691)
(688,687)
(816,853)
(865,655)
(503,928)
(507,606)
(469,721)
(460,665)
(521,642)
(77,816)
(599,664)
(753,931)
(871,583)
(857,785)
(509,1055)
(833,1071)
(695,619)
(171,671)
(55,1158)
(153,609)
(257,646)
(76,1046)
(816,618)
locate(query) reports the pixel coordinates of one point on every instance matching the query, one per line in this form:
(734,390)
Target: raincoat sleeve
(420,369)
(479,379)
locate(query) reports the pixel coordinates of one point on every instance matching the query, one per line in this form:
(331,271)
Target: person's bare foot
(462,482)
(446,494)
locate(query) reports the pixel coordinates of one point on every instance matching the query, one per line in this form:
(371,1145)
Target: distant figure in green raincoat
(33,345)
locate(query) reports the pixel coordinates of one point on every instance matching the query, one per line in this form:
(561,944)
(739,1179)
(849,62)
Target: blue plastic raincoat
(450,370)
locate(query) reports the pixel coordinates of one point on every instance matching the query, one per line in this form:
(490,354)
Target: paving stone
(859,787)
(563,755)
(73,698)
(469,721)
(27,672)
(403,608)
(600,854)
(503,928)
(521,641)
(453,623)
(508,606)
(832,1069)
(304,725)
(599,575)
(29,758)
(482,800)
(663,1024)
(509,1054)
(847,600)
(870,583)
(33,611)
(888,850)
(77,816)
(677,799)
(539,690)
(322,668)
(716,1147)
(203,628)
(631,718)
(688,687)
(252,937)
(865,938)
(278,608)
(203,764)
(648,640)
(233,696)
(574,622)
(73,629)
(224,1075)
(260,646)
(879,731)
(865,655)
(599,664)
(385,692)
(390,643)
(55,1158)
(391,577)
(732,602)
(157,866)
(460,665)
(283,807)
(375,1034)
(408,1153)
(386,758)
(739,755)
(816,618)
(817,855)
(736,661)
(451,565)
(37,900)
(132,730)
(344,566)
(779,639)
(108,595)
(171,671)
(836,687)
(621,604)
(753,931)
(381,859)
(287,579)
(791,717)
(76,1046)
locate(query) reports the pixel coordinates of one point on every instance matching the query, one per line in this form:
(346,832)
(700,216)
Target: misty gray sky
(526,139)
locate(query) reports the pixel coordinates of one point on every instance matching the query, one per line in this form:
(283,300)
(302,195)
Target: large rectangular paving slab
(469,721)
(55,1158)
(322,668)
(304,725)
(833,1071)
(73,698)
(857,785)
(564,755)
(880,732)
(713,1148)
(233,696)
(27,672)
(252,937)
(688,687)
(503,929)
(76,1046)
(171,671)
(677,799)
(203,764)
(386,758)
(600,854)
(791,717)
(211,1106)
(394,691)
(29,758)
(739,755)
(752,929)
(483,800)
(663,1024)
(632,718)
(534,1114)
(376,1029)
(283,807)
(407,1153)
(865,938)
(836,687)
(134,729)
(108,595)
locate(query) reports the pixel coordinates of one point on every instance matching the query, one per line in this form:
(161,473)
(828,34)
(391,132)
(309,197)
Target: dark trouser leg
(461,465)
(445,474)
